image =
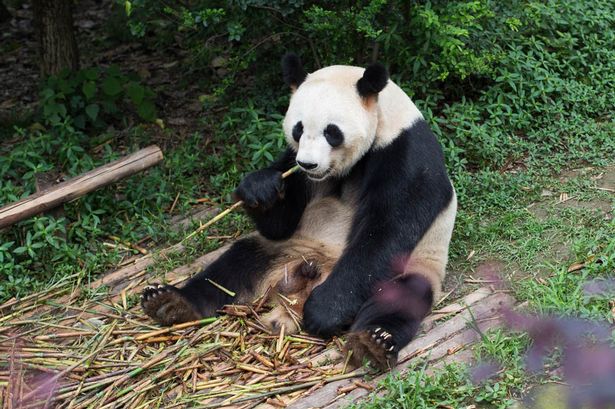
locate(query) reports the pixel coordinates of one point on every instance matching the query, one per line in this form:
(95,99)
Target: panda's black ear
(293,71)
(374,79)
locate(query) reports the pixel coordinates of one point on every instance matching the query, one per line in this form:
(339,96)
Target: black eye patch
(334,135)
(297,131)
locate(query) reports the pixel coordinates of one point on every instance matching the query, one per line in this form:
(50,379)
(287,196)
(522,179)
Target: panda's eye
(334,135)
(297,131)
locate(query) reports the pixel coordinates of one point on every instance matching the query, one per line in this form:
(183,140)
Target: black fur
(334,135)
(293,71)
(275,205)
(167,305)
(398,307)
(403,188)
(297,131)
(261,189)
(374,80)
(238,269)
(389,320)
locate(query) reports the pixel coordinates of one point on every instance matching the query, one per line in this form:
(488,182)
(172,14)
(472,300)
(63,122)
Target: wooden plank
(463,356)
(177,276)
(455,308)
(79,186)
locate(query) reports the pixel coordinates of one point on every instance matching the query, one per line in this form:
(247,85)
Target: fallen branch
(80,185)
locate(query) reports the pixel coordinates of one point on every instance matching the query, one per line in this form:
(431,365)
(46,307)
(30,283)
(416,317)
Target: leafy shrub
(429,41)
(504,83)
(92,97)
(251,139)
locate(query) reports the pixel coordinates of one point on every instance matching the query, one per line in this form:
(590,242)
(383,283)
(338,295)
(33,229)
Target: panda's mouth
(318,177)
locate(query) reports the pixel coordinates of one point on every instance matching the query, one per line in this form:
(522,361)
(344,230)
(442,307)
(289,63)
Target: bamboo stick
(230,209)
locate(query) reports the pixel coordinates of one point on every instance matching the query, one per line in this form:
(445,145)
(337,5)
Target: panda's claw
(375,344)
(384,339)
(149,292)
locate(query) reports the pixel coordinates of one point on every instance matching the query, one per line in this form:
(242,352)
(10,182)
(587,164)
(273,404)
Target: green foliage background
(499,78)
(516,85)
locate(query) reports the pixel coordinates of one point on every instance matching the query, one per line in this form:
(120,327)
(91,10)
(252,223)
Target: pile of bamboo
(77,345)
(69,348)
(90,352)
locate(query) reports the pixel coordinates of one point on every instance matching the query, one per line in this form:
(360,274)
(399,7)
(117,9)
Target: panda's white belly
(326,220)
(320,238)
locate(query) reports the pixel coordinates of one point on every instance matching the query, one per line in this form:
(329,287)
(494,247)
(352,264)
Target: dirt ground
(158,67)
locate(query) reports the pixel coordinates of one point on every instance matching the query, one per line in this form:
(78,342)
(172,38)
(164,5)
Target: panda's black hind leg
(166,305)
(239,270)
(389,320)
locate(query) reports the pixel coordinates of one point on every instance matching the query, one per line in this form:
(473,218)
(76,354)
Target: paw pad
(166,305)
(374,344)
(152,291)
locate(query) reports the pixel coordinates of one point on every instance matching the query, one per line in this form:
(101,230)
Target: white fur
(330,96)
(430,256)
(396,112)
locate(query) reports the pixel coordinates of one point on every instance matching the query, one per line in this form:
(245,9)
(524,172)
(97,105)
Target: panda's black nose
(307,166)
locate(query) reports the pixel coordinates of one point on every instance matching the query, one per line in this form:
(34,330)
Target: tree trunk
(56,36)
(4,13)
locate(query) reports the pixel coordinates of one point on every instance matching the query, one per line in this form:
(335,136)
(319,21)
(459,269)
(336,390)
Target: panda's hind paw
(166,305)
(278,317)
(374,344)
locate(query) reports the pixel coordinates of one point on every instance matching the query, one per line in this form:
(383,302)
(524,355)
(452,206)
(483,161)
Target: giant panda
(358,238)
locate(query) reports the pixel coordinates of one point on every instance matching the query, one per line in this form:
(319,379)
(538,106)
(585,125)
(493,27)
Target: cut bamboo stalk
(230,209)
(79,186)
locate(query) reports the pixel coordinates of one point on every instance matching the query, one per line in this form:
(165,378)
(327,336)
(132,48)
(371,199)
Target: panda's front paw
(327,313)
(375,344)
(261,189)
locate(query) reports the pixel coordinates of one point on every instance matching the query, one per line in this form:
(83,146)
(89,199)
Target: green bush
(503,83)
(428,41)
(92,97)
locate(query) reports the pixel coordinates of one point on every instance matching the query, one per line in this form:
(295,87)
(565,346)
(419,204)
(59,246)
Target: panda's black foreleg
(275,204)
(389,320)
(239,270)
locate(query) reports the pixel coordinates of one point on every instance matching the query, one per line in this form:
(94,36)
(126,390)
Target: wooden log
(79,186)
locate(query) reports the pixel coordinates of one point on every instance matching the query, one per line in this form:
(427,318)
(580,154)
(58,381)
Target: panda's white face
(329,125)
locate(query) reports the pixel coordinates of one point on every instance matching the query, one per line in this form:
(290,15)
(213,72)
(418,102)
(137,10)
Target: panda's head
(333,115)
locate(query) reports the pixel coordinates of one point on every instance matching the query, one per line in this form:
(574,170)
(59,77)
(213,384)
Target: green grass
(44,248)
